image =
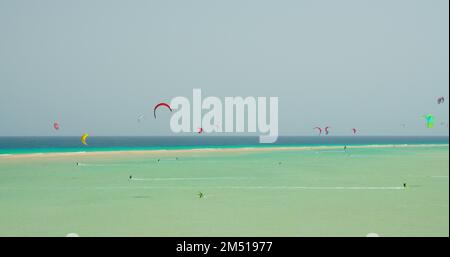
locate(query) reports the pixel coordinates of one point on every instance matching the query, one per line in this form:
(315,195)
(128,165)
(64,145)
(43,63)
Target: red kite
(159,105)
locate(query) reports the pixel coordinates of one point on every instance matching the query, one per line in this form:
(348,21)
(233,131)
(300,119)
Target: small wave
(167,160)
(258,188)
(96,165)
(360,156)
(213,187)
(439,176)
(201,178)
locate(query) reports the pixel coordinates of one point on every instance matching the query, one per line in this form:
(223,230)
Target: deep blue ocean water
(15,145)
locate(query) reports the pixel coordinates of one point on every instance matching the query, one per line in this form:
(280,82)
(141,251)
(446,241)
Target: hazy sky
(95,66)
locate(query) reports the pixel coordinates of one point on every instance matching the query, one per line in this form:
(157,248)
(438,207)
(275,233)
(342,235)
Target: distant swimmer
(404,185)
(200,195)
(159,160)
(131,177)
(78,164)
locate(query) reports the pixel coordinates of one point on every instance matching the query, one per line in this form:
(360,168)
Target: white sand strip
(214,150)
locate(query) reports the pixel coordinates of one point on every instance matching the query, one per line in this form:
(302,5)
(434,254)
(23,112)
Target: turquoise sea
(19,145)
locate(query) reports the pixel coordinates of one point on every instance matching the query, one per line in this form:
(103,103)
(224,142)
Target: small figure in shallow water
(279,163)
(200,195)
(78,164)
(404,185)
(131,177)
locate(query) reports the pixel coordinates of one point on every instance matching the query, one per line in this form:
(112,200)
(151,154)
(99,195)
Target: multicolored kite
(430,120)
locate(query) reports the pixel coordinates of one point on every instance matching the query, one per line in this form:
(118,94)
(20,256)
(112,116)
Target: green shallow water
(264,193)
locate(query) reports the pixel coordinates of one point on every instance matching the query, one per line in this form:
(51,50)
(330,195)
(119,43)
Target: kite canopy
(200,130)
(159,105)
(327,130)
(56,126)
(430,120)
(441,100)
(83,138)
(319,129)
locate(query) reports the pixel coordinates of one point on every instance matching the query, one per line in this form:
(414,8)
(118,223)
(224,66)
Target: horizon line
(224,135)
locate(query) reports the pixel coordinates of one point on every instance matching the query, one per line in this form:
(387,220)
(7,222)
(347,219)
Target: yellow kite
(83,138)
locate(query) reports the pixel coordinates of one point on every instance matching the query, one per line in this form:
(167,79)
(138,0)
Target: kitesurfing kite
(159,105)
(200,130)
(56,126)
(430,120)
(139,119)
(319,129)
(441,100)
(327,131)
(354,131)
(83,138)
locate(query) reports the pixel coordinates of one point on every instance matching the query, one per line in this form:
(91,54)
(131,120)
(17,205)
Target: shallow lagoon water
(315,192)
